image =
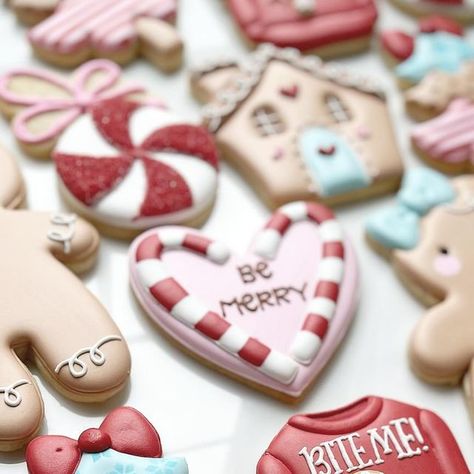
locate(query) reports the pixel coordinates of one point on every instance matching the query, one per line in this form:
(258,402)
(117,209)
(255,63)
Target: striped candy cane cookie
(189,310)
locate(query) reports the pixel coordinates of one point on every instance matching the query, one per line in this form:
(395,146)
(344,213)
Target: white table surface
(219,425)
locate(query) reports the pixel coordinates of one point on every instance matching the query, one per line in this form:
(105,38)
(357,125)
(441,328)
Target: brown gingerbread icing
(48,316)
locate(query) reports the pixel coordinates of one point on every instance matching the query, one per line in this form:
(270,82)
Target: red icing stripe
(254,352)
(398,44)
(435,23)
(280,222)
(168,292)
(327,289)
(196,243)
(319,213)
(333,249)
(316,324)
(213,326)
(151,247)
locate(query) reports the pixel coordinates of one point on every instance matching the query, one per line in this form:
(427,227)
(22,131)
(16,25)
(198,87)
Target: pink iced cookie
(271,318)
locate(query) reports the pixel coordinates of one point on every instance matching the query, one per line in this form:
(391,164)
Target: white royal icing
(11,396)
(65,231)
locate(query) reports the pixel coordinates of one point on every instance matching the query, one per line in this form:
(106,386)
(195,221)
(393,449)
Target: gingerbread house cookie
(301,129)
(324,27)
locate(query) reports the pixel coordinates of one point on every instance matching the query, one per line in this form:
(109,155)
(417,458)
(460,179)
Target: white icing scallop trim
(11,396)
(96,356)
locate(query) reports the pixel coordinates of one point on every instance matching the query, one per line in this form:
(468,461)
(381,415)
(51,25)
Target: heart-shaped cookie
(271,318)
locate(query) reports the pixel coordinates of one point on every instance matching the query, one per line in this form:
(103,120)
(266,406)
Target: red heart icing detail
(291,92)
(273,317)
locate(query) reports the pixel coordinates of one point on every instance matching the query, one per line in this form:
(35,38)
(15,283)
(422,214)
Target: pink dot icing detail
(447,265)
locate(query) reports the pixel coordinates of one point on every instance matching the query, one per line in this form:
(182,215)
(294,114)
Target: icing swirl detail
(69,222)
(77,367)
(11,396)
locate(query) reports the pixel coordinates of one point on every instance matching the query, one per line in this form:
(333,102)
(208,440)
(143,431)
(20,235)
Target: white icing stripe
(267,243)
(11,395)
(322,306)
(331,269)
(151,272)
(280,367)
(189,310)
(172,238)
(331,231)
(296,211)
(306,347)
(218,252)
(233,340)
(77,367)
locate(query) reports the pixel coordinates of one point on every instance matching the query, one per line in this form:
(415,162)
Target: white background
(220,425)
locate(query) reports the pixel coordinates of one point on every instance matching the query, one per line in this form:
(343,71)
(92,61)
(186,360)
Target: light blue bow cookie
(399,227)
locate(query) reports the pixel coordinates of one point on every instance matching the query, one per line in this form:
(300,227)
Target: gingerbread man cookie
(323,27)
(437,90)
(115,29)
(439,46)
(126,442)
(124,160)
(427,237)
(31,12)
(48,317)
(272,318)
(461,10)
(301,129)
(371,436)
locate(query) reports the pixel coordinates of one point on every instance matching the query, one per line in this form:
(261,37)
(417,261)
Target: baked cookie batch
(306,134)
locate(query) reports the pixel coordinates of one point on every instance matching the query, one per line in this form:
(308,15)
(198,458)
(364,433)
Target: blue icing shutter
(331,162)
(113,462)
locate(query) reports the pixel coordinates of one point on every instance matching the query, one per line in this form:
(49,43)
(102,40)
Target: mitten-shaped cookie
(300,129)
(428,237)
(115,29)
(439,46)
(126,442)
(123,159)
(47,315)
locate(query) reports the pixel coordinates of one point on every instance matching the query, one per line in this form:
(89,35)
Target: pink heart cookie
(271,318)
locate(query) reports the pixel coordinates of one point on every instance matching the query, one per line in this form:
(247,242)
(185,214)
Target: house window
(337,109)
(268,121)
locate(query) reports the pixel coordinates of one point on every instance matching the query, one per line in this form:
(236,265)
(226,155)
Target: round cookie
(427,237)
(322,27)
(319,131)
(125,442)
(48,316)
(272,318)
(119,30)
(371,436)
(461,10)
(123,160)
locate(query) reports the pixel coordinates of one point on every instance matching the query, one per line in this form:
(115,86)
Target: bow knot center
(94,441)
(139,153)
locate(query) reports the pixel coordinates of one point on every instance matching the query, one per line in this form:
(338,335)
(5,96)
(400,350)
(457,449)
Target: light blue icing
(398,227)
(334,174)
(435,51)
(113,462)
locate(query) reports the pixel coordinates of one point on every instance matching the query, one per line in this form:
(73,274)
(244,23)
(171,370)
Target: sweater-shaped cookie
(115,29)
(47,315)
(123,160)
(324,27)
(461,10)
(125,443)
(371,436)
(428,235)
(300,129)
(271,318)
(439,46)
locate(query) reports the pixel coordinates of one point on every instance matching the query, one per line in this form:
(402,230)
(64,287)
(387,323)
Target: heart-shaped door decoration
(271,318)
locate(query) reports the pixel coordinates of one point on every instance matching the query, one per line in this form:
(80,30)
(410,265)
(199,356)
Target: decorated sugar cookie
(115,29)
(427,236)
(447,142)
(48,316)
(439,46)
(301,129)
(371,436)
(437,90)
(271,318)
(462,10)
(31,12)
(324,27)
(125,443)
(123,160)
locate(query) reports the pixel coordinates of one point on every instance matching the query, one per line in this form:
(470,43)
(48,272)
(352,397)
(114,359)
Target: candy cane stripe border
(322,307)
(190,311)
